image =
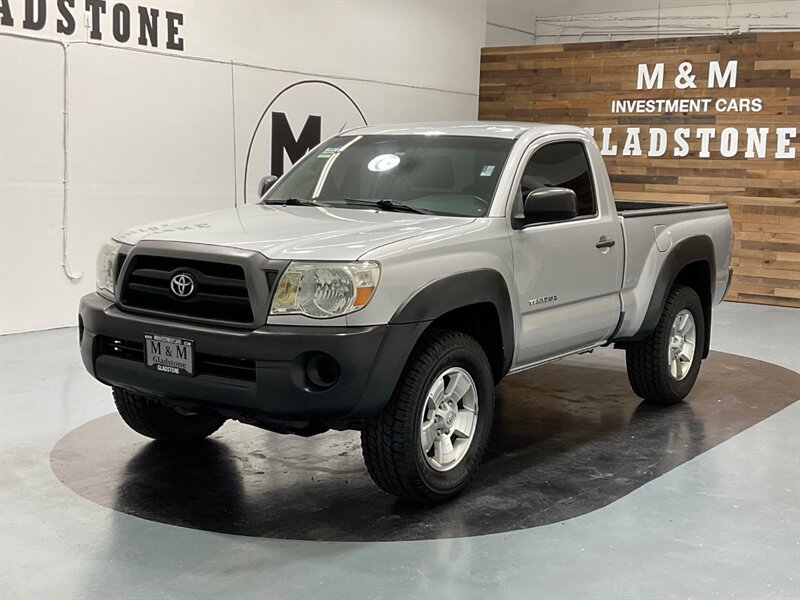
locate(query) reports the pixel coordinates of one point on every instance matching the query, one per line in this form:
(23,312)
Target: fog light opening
(322,371)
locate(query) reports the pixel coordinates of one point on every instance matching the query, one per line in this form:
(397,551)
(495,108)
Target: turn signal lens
(363,296)
(325,290)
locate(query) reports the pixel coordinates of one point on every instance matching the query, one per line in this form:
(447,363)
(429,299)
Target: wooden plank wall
(576,84)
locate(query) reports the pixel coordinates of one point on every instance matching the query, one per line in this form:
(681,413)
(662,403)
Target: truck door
(567,273)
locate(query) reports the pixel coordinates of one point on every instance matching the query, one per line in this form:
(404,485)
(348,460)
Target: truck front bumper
(252,375)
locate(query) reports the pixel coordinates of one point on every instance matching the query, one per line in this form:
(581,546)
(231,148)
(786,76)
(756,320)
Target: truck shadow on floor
(569,438)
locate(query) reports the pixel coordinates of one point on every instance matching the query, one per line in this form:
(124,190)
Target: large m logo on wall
(284,143)
(295,120)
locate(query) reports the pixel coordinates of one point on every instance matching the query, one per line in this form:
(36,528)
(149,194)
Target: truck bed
(639,208)
(651,230)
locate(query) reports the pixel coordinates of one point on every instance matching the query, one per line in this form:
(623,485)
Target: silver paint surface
(591,286)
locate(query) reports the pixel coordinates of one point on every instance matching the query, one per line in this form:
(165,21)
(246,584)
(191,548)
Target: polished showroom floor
(584,492)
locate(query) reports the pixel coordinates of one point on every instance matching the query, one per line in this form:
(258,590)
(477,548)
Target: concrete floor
(724,524)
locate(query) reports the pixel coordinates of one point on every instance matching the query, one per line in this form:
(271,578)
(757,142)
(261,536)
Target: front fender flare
(460,290)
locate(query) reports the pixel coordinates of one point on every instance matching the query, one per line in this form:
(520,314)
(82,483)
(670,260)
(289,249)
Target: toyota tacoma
(388,281)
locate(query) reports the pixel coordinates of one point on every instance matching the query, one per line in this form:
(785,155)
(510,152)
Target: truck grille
(221,289)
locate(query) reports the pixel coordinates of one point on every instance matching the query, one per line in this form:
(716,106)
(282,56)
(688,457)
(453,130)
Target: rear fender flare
(691,250)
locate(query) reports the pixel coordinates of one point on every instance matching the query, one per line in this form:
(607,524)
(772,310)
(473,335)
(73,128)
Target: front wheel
(155,420)
(663,367)
(427,443)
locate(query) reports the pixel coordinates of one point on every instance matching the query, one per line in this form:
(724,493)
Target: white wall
(160,133)
(524,22)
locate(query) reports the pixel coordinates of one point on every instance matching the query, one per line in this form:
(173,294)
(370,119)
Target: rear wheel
(663,367)
(427,443)
(155,420)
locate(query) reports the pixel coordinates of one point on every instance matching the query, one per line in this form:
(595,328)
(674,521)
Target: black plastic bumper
(370,358)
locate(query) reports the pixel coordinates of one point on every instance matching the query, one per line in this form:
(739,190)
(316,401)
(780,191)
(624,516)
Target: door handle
(604,242)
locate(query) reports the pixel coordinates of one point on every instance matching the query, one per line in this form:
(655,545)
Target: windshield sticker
(383,162)
(487,170)
(328,152)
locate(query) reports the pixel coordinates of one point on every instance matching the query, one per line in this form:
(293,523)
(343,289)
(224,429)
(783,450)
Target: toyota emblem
(182,285)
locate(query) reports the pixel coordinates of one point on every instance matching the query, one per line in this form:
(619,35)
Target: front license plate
(169,354)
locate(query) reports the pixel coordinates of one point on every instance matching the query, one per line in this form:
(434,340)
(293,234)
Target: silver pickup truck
(388,281)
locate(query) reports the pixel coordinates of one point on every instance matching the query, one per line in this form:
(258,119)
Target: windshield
(445,175)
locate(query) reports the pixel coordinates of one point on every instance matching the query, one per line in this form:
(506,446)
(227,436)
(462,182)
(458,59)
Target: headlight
(325,290)
(106,261)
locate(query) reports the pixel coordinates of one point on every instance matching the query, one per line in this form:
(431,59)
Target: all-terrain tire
(648,360)
(155,420)
(391,443)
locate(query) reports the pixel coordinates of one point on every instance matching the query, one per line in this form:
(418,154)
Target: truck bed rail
(637,208)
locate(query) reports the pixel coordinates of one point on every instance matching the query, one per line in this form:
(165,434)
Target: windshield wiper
(294,202)
(388,205)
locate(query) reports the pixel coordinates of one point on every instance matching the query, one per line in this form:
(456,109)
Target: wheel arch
(691,263)
(474,302)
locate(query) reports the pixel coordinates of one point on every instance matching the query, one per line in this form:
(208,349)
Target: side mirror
(544,205)
(266,182)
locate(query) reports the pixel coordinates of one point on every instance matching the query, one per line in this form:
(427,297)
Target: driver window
(562,164)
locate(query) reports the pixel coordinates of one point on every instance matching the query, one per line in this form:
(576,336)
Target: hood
(295,232)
